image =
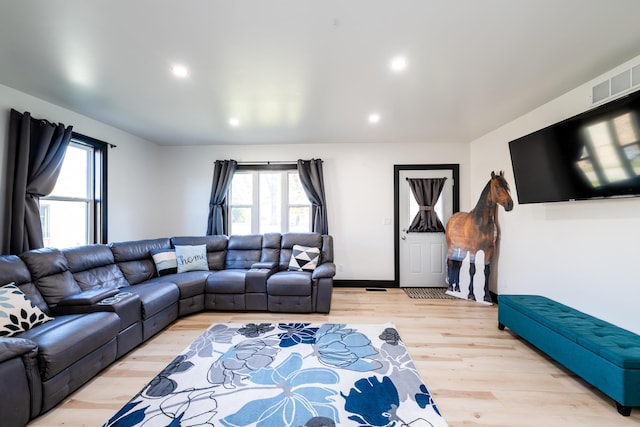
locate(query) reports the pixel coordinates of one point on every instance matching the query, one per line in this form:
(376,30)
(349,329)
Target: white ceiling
(303,71)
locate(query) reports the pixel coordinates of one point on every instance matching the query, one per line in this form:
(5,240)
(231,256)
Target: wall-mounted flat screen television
(593,155)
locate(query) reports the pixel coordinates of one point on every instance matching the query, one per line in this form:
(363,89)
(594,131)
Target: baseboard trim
(385,284)
(365,284)
(494,297)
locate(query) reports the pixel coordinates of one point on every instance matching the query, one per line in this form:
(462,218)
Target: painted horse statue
(470,232)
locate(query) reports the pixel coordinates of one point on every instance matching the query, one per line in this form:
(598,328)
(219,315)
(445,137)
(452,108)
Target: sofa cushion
(17,313)
(155,296)
(50,272)
(165,260)
(230,281)
(14,270)
(67,339)
(134,258)
(86,257)
(216,248)
(312,240)
(289,283)
(190,284)
(192,258)
(107,277)
(304,258)
(93,267)
(271,247)
(243,250)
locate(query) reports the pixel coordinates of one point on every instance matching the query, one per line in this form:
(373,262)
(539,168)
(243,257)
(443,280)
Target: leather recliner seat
(107,299)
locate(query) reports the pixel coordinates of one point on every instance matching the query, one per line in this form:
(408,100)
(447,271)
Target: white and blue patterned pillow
(165,260)
(17,313)
(304,258)
(192,258)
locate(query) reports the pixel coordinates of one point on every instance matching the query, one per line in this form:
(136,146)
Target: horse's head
(499,191)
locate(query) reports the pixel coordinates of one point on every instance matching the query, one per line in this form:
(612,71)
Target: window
(75,212)
(267,200)
(414,208)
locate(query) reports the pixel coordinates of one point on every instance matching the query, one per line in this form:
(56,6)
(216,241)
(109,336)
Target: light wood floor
(477,374)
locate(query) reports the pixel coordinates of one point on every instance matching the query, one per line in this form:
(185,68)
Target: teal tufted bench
(604,355)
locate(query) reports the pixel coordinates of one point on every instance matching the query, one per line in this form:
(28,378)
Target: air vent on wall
(616,85)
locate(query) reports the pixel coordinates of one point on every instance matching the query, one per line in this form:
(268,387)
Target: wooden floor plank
(477,374)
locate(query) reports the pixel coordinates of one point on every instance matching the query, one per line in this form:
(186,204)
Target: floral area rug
(287,374)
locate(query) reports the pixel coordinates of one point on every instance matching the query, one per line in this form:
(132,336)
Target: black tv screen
(593,155)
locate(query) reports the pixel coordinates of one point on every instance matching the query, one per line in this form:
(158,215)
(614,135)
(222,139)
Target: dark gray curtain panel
(36,152)
(312,180)
(426,192)
(222,175)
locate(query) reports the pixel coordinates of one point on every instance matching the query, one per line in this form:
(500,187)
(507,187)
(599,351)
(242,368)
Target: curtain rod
(407,179)
(276,162)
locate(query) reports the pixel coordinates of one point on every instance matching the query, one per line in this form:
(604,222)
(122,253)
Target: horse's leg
(472,272)
(456,275)
(487,272)
(453,274)
(457,257)
(488,255)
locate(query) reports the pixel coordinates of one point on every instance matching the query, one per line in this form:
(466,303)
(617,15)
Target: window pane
(240,221)
(270,202)
(297,196)
(78,191)
(72,181)
(64,223)
(242,189)
(299,218)
(414,208)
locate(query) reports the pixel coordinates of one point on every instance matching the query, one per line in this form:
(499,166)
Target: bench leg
(623,410)
(500,326)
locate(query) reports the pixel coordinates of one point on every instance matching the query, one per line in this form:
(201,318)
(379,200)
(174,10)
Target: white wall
(132,165)
(358,183)
(583,253)
(159,191)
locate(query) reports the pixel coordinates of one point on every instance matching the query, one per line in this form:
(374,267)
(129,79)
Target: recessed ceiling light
(399,63)
(374,118)
(180,71)
(234,121)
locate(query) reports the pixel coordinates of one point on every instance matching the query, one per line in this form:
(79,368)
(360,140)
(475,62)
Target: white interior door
(423,256)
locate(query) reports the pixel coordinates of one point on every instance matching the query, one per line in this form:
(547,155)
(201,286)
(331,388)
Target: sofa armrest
(84,302)
(20,384)
(324,270)
(90,297)
(265,265)
(14,347)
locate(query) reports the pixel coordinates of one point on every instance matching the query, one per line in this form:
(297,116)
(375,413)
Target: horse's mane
(484,208)
(483,200)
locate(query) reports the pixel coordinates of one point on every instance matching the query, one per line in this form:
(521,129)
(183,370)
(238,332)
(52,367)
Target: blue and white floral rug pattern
(287,374)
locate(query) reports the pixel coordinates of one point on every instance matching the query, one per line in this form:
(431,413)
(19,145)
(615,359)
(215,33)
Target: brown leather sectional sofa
(107,299)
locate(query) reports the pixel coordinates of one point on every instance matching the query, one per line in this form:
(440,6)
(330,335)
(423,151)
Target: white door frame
(455,168)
